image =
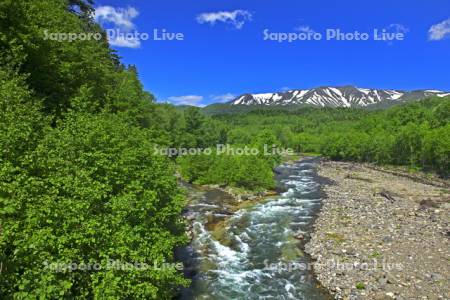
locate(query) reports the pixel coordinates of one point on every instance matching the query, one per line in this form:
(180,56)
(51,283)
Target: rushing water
(254,253)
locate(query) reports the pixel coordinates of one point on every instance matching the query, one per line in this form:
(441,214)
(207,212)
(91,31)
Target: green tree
(96,192)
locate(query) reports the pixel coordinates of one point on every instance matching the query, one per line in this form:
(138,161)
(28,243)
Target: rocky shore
(381,236)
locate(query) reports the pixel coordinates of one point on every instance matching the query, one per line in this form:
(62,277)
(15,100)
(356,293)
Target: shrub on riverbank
(245,171)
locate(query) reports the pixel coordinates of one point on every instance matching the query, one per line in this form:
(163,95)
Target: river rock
(400,236)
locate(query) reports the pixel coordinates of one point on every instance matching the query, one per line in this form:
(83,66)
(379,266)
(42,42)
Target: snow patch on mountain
(443,95)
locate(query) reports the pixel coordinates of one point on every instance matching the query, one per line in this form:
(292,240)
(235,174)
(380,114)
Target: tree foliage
(79,181)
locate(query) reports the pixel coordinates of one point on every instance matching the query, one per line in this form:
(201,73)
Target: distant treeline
(415,134)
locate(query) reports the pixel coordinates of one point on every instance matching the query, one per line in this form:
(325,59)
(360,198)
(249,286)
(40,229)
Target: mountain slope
(345,96)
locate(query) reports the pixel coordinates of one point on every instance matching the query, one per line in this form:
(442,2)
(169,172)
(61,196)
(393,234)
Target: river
(255,252)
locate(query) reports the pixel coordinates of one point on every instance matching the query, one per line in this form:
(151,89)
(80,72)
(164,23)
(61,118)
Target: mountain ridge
(335,96)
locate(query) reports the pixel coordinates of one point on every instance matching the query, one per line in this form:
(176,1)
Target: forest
(80,181)
(415,135)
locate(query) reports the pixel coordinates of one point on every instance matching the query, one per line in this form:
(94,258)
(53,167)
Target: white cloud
(236,18)
(120,17)
(121,21)
(439,31)
(194,100)
(305,29)
(223,98)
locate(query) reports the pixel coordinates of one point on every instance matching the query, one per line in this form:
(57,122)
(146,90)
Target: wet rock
(281,189)
(270,193)
(189,217)
(299,236)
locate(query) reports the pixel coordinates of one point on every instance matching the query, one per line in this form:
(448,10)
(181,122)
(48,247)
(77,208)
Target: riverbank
(381,236)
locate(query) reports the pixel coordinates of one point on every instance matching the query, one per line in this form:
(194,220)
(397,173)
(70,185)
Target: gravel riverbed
(381,236)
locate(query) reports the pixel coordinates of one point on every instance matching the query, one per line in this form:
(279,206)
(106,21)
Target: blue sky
(224,54)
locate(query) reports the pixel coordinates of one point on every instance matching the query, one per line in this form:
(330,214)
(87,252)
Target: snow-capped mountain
(345,96)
